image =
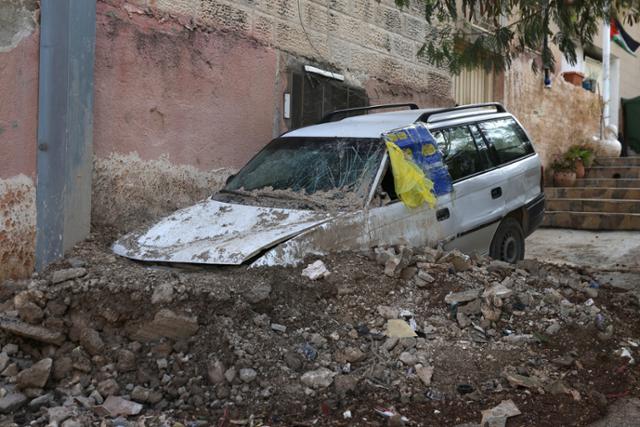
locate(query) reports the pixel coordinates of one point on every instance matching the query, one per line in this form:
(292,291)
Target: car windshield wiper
(295,198)
(239,193)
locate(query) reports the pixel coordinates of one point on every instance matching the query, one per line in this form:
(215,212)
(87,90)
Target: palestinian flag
(620,36)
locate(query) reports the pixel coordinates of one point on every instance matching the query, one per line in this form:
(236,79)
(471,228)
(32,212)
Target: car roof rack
(426,116)
(330,117)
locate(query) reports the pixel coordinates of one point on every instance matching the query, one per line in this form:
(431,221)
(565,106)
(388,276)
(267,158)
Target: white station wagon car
(329,188)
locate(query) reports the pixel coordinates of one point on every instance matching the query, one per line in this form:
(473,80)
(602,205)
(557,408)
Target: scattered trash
(390,413)
(398,328)
(309,352)
(589,302)
(600,322)
(626,353)
(346,414)
(497,416)
(434,394)
(316,270)
(278,327)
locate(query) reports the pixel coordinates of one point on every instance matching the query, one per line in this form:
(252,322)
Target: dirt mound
(388,338)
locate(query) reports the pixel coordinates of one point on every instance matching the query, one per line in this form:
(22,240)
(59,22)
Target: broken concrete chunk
(167,324)
(497,416)
(521,381)
(320,378)
(67,274)
(257,292)
(4,360)
(91,341)
(316,270)
(425,373)
(163,293)
(461,297)
(145,395)
(30,312)
(12,402)
(115,406)
(426,277)
(247,375)
(497,266)
(460,261)
(58,414)
(498,291)
(398,328)
(36,376)
(37,333)
(215,372)
(388,312)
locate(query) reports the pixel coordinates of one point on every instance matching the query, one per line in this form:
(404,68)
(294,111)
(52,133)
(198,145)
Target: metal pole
(606,69)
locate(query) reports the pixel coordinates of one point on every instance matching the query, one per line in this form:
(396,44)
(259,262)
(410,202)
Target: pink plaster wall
(203,99)
(19,108)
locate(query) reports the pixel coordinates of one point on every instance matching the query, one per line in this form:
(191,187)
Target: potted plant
(588,156)
(574,156)
(564,172)
(581,157)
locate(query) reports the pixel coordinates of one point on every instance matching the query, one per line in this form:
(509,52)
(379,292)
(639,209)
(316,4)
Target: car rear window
(507,138)
(460,152)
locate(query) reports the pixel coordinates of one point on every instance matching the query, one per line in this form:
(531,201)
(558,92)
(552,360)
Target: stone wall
(19,53)
(364,39)
(555,117)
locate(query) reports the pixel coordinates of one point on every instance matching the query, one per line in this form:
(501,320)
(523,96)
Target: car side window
(508,139)
(459,151)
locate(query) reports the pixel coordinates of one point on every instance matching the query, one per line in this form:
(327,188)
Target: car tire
(508,242)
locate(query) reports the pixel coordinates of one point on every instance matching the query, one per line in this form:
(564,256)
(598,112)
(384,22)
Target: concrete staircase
(608,198)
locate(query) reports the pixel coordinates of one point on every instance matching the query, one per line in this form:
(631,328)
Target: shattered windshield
(312,173)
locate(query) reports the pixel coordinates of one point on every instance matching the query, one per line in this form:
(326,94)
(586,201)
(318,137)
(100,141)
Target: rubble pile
(394,337)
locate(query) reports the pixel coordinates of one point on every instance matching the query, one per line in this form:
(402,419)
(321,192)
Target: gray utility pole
(65,126)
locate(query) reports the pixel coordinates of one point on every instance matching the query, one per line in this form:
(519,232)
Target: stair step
(594,205)
(614,172)
(592,220)
(617,161)
(592,193)
(604,182)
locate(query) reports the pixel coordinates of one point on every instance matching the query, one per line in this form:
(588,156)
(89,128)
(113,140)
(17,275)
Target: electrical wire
(306,33)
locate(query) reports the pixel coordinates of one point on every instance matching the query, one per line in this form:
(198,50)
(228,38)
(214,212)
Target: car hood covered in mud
(213,232)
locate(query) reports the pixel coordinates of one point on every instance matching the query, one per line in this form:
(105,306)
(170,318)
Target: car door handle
(496,193)
(443,214)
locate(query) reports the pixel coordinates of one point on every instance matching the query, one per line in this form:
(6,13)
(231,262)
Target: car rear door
(477,202)
(513,152)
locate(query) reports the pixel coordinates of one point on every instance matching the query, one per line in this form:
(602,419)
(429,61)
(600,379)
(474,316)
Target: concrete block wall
(367,40)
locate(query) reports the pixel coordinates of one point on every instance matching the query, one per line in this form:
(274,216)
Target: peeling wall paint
(17,227)
(555,118)
(129,192)
(19,57)
(203,98)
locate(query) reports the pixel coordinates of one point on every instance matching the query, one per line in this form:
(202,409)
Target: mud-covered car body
(329,188)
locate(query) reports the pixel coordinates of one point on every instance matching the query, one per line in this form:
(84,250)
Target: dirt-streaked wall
(555,117)
(19,56)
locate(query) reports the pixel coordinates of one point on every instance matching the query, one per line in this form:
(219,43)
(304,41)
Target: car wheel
(508,242)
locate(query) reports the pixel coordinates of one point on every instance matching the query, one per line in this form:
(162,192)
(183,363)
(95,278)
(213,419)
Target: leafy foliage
(491,33)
